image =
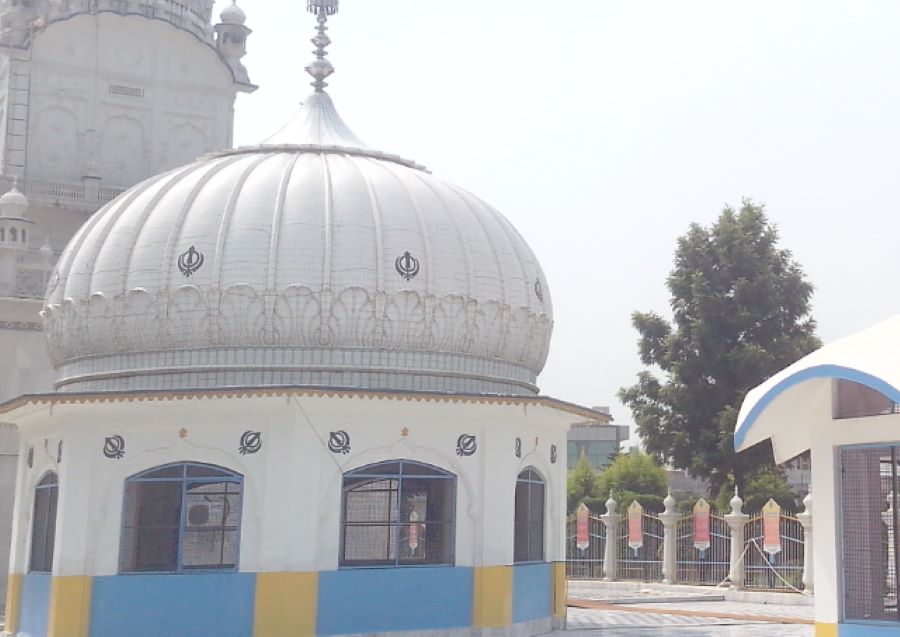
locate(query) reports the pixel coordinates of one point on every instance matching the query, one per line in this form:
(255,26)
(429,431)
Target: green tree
(582,487)
(741,312)
(634,476)
(765,483)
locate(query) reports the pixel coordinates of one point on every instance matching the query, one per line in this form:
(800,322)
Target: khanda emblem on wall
(190,261)
(407,266)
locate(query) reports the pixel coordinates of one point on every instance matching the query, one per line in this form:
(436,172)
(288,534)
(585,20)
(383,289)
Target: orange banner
(582,532)
(701,525)
(635,526)
(771,515)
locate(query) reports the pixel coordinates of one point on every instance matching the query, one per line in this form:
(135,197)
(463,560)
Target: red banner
(771,515)
(635,526)
(582,533)
(701,525)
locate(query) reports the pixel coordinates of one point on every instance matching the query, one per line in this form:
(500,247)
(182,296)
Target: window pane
(426,543)
(201,517)
(209,548)
(43,529)
(383,469)
(372,502)
(536,523)
(528,525)
(203,471)
(369,543)
(150,550)
(409,520)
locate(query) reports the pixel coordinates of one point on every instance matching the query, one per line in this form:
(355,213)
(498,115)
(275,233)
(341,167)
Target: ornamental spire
(321,68)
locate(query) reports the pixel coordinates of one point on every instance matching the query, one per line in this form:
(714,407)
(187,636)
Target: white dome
(313,263)
(233,14)
(13,203)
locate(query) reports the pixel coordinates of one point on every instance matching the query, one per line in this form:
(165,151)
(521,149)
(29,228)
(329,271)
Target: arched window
(2,234)
(528,545)
(181,517)
(13,235)
(23,236)
(398,514)
(43,524)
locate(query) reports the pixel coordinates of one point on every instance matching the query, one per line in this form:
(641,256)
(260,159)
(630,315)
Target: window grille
(398,514)
(869,481)
(43,526)
(127,91)
(528,544)
(181,517)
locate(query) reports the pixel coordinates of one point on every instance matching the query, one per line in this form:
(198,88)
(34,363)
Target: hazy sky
(602,129)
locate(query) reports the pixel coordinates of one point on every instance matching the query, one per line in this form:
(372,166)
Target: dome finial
(321,68)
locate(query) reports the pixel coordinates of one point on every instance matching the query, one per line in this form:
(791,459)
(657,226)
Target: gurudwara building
(841,403)
(295,395)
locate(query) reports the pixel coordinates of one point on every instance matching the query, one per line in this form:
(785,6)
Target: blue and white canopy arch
(787,407)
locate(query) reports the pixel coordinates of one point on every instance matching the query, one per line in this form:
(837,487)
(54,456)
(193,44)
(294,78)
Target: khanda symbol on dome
(191,261)
(407,266)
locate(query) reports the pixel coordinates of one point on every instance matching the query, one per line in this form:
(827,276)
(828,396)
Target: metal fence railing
(586,563)
(780,569)
(643,563)
(702,565)
(772,555)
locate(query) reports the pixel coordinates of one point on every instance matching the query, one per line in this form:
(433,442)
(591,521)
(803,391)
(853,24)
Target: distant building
(598,440)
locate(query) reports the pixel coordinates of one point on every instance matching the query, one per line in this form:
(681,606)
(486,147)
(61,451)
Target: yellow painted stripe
(286,604)
(560,589)
(492,603)
(70,607)
(13,602)
(826,630)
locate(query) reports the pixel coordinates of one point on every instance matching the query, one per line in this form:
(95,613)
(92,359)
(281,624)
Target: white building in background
(95,95)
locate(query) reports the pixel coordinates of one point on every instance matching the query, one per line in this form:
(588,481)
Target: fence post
(611,522)
(736,521)
(669,518)
(806,520)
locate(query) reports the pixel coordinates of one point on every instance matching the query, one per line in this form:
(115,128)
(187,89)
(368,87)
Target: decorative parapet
(70,194)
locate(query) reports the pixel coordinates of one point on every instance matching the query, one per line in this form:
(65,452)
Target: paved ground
(614,610)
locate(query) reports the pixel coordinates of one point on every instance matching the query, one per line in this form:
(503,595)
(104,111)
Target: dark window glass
(43,526)
(181,517)
(528,540)
(398,514)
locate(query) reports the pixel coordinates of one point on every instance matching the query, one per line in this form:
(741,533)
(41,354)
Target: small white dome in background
(233,14)
(13,203)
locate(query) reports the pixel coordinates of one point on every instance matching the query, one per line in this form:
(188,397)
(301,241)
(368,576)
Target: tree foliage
(582,487)
(741,312)
(768,482)
(634,476)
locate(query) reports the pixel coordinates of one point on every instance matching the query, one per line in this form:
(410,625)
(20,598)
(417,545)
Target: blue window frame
(43,524)
(528,535)
(181,517)
(398,513)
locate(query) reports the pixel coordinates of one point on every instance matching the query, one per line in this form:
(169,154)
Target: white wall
(291,514)
(139,95)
